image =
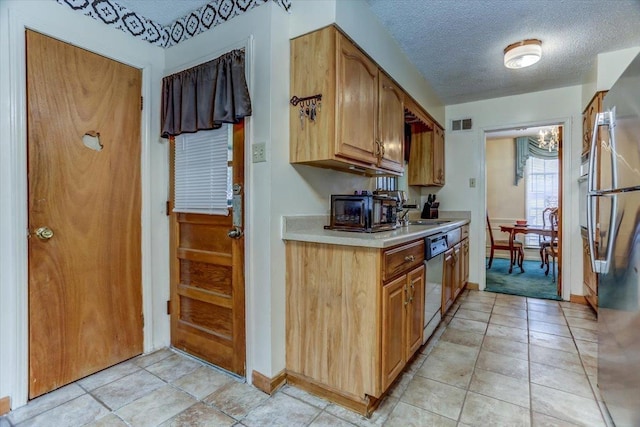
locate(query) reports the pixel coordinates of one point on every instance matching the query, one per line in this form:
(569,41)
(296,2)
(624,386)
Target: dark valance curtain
(205,96)
(527,146)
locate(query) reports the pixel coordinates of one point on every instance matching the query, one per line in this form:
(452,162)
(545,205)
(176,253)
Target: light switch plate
(472,182)
(259,152)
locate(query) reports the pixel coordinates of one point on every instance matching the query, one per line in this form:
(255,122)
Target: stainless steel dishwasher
(435,247)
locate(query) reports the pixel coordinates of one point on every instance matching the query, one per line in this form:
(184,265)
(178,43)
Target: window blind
(200,166)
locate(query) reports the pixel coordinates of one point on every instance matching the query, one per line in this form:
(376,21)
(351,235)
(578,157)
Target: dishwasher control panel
(435,245)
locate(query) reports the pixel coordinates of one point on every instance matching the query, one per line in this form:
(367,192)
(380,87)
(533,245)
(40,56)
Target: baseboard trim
(473,286)
(364,407)
(578,299)
(5,405)
(266,384)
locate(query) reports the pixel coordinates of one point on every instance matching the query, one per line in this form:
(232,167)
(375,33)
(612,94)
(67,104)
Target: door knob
(44,233)
(235,233)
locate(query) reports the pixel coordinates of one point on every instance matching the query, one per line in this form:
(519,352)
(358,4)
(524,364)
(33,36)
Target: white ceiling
(458,44)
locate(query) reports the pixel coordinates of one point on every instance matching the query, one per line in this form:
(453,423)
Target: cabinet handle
(406,302)
(409,258)
(413,289)
(385,87)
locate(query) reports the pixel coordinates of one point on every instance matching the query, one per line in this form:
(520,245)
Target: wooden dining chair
(545,241)
(552,249)
(503,244)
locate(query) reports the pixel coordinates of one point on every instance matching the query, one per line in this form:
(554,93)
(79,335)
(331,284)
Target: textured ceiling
(458,44)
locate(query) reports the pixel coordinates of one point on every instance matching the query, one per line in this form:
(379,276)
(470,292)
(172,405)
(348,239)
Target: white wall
(611,65)
(62,23)
(465,158)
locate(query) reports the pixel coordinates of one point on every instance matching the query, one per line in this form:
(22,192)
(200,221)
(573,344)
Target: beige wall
(504,199)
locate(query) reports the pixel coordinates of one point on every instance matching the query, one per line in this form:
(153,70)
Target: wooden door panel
(207,281)
(207,276)
(85,294)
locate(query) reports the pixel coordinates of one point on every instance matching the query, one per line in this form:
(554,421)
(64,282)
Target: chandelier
(549,139)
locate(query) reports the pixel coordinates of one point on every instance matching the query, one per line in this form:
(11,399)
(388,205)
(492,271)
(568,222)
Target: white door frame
(567,205)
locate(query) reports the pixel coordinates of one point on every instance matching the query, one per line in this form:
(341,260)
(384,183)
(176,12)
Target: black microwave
(363,213)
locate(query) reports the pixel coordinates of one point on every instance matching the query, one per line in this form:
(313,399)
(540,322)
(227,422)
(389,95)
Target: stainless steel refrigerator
(613,209)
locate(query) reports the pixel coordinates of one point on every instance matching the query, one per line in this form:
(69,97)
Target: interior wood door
(85,293)
(207,279)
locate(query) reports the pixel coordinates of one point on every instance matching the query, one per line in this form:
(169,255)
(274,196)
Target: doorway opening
(524,186)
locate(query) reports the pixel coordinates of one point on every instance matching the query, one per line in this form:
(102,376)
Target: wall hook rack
(309,107)
(295,100)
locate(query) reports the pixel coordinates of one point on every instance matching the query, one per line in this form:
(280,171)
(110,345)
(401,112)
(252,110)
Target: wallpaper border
(208,16)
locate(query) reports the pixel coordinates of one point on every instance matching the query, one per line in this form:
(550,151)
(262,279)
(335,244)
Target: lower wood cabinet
(354,317)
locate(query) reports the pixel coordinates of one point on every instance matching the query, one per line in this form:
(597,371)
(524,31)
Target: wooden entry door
(207,278)
(85,292)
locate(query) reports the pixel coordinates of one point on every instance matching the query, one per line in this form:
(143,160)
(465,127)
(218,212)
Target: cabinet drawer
(453,237)
(401,259)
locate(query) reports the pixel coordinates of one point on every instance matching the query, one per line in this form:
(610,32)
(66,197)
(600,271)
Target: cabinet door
(415,320)
(393,321)
(357,112)
(464,263)
(588,120)
(447,280)
(438,155)
(457,271)
(390,125)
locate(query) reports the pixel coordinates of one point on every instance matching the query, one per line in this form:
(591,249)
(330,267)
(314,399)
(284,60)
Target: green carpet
(532,283)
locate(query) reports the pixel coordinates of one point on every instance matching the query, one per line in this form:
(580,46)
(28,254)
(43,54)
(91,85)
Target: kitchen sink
(429,222)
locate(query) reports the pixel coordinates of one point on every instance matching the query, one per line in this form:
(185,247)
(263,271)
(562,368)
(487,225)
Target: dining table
(516,229)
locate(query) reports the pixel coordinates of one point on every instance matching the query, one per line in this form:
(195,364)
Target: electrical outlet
(472,182)
(259,152)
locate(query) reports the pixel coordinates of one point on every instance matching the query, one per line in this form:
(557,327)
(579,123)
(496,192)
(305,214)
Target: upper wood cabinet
(588,120)
(426,152)
(360,125)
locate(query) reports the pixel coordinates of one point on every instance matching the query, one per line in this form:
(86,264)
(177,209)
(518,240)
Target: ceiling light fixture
(523,53)
(549,139)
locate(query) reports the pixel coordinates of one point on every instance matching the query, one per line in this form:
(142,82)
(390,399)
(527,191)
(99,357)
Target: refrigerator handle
(610,119)
(591,231)
(601,265)
(591,185)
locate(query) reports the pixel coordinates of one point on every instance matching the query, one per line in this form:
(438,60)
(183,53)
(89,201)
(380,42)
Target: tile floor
(496,360)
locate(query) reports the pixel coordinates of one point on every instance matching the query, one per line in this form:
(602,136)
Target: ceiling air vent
(461,124)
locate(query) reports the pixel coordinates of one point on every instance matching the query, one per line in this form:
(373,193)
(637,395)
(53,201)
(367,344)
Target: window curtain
(205,96)
(527,146)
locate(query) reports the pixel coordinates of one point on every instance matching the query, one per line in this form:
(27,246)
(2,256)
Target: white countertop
(310,228)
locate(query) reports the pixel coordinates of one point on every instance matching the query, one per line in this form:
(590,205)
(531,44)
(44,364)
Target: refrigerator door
(618,163)
(619,307)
